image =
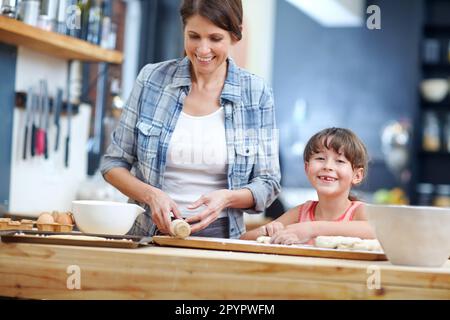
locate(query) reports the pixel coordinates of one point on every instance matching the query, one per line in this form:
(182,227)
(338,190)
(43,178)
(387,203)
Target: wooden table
(41,272)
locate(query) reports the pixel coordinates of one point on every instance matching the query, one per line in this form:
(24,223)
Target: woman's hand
(161,206)
(294,234)
(214,202)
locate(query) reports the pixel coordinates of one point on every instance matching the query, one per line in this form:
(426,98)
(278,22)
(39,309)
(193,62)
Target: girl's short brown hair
(225,14)
(339,139)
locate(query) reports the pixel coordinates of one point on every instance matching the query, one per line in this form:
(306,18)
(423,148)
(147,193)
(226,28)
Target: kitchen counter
(51,272)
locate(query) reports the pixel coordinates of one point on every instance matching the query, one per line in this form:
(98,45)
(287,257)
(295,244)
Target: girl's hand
(215,202)
(271,228)
(294,234)
(161,206)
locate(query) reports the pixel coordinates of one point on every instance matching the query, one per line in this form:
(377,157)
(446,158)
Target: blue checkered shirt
(140,141)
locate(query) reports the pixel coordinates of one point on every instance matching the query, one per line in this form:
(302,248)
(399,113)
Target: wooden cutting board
(255,247)
(75,239)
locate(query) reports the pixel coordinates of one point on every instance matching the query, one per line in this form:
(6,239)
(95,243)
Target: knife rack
(21,100)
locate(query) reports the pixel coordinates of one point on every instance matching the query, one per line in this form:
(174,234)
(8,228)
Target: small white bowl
(105,217)
(412,236)
(434,90)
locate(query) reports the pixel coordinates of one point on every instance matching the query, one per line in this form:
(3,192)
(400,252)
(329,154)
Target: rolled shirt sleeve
(265,179)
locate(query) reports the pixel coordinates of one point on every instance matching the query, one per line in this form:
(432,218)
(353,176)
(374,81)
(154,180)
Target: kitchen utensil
(434,90)
(46,116)
(40,135)
(69,116)
(253,246)
(34,127)
(57,115)
(412,236)
(105,217)
(28,120)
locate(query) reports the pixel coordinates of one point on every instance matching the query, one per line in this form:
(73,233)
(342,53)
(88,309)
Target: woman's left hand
(215,202)
(294,234)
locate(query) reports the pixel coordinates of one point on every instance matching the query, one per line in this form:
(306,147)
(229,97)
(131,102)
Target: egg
(64,218)
(45,218)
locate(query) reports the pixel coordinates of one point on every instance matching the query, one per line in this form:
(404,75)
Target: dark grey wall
(349,77)
(8,57)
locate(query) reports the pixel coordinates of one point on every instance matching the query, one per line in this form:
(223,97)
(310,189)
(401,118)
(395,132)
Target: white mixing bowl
(412,236)
(105,217)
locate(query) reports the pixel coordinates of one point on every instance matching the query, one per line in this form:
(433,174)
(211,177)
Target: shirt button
(247,151)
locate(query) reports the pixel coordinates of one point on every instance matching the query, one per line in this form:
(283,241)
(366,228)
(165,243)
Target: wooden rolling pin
(180,229)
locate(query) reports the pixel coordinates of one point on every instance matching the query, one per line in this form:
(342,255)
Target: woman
(199,133)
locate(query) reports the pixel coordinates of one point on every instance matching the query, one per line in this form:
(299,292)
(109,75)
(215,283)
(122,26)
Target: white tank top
(196,160)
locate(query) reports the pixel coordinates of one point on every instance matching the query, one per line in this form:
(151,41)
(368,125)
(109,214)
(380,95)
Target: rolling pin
(180,229)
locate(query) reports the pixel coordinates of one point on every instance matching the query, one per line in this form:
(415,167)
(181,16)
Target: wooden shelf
(17,33)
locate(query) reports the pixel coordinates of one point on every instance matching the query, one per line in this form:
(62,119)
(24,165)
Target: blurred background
(380,68)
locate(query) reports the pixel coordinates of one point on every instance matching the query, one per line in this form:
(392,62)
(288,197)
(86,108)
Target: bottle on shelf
(442,198)
(447,133)
(61,16)
(425,193)
(85,6)
(47,18)
(95,21)
(29,12)
(431,140)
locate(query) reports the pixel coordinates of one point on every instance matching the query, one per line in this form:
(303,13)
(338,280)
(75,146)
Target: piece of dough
(180,229)
(333,242)
(263,239)
(368,245)
(74,237)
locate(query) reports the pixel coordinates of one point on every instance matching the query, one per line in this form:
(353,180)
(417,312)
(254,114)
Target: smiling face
(331,173)
(207,46)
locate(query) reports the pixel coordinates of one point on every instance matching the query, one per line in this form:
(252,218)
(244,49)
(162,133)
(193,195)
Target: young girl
(335,160)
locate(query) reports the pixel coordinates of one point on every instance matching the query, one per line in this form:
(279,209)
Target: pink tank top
(306,211)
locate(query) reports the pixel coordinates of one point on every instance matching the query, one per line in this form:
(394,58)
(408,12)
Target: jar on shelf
(447,133)
(431,132)
(425,194)
(442,198)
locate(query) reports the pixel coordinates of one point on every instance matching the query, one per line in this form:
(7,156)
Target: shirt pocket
(246,153)
(147,141)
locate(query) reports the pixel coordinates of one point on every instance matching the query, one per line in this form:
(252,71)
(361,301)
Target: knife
(28,118)
(34,108)
(46,117)
(57,111)
(69,117)
(40,135)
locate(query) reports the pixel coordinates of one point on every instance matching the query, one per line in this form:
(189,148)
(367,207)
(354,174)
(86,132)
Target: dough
(263,239)
(347,243)
(180,229)
(368,245)
(333,242)
(73,237)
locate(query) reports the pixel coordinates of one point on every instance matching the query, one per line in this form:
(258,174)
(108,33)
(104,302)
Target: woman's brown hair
(339,140)
(225,14)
